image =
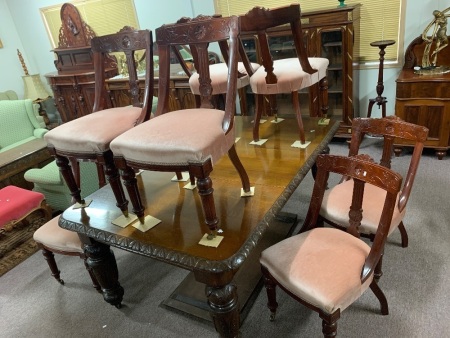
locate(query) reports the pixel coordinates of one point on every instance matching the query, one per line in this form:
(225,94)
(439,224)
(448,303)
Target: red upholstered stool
(17,205)
(51,238)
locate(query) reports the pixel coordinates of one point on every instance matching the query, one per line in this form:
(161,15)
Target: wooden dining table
(223,278)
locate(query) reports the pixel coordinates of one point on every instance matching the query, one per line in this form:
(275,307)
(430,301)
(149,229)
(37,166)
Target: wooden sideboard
(74,93)
(424,99)
(73,83)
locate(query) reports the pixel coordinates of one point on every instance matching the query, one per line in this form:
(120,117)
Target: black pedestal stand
(380,100)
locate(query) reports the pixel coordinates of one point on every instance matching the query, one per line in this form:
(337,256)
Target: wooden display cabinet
(328,33)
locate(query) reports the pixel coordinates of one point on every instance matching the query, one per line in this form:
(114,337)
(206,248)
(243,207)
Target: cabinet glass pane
(331,48)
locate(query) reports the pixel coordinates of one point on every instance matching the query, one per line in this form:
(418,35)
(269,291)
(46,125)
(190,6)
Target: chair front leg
(270,286)
(205,190)
(50,258)
(129,180)
(66,171)
(112,175)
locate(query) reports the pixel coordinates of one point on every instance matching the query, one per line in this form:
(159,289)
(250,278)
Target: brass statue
(439,35)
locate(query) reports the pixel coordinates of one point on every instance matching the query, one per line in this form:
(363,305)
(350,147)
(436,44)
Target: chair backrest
(363,171)
(259,20)
(127,41)
(198,33)
(391,128)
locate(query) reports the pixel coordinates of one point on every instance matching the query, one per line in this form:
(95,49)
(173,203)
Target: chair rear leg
(298,113)
(381,297)
(378,269)
(67,173)
(323,90)
(404,235)
(50,258)
(232,154)
(259,107)
(113,178)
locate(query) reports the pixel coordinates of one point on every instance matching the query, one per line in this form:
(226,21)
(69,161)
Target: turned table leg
(224,305)
(103,264)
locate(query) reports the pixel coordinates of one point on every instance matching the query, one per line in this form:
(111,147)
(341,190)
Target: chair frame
(127,40)
(390,128)
(197,33)
(363,171)
(256,22)
(49,256)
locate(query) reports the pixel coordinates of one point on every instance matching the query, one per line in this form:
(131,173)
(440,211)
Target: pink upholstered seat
(88,137)
(172,139)
(89,134)
(189,139)
(328,269)
(290,76)
(336,201)
(51,238)
(219,77)
(321,266)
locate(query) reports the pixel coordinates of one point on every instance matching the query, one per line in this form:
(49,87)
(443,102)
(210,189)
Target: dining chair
(190,140)
(219,75)
(337,198)
(287,75)
(327,269)
(88,137)
(51,238)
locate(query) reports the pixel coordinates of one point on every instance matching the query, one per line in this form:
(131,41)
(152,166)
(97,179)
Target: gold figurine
(439,35)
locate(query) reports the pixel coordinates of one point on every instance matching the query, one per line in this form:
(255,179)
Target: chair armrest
(40,132)
(48,174)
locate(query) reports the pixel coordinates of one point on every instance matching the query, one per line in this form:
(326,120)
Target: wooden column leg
(103,264)
(224,305)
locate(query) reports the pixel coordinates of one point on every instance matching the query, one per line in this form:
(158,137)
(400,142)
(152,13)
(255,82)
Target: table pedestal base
(189,297)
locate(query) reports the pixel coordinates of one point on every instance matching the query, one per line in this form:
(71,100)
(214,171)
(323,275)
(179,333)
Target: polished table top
(275,169)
